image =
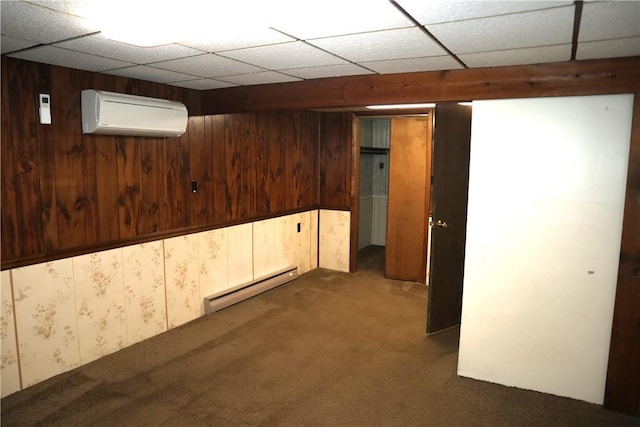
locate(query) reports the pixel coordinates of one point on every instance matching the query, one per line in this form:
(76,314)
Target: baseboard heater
(231,296)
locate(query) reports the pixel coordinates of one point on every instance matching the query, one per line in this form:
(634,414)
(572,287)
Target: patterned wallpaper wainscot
(72,311)
(334,239)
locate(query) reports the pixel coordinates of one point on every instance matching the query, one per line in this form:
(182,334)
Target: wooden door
(452,137)
(622,392)
(409,198)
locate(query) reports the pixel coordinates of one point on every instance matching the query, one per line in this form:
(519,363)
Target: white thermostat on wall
(45,109)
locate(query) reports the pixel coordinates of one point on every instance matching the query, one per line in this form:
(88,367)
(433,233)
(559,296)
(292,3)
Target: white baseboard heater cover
(231,296)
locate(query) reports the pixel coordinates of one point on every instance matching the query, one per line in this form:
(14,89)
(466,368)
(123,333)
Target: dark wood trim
(355,195)
(577,18)
(591,77)
(427,33)
(24,261)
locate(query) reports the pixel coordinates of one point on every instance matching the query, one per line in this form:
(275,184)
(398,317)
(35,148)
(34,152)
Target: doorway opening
(394,195)
(374,188)
(428,178)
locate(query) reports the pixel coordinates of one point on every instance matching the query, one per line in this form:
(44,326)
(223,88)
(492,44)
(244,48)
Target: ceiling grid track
(330,39)
(323,50)
(576,28)
(428,33)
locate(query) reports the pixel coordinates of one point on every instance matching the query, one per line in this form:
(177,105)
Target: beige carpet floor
(330,349)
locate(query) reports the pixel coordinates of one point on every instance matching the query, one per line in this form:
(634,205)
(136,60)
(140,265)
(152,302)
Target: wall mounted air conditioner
(121,114)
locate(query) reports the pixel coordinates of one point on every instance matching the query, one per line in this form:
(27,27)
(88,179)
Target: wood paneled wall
(65,193)
(335,160)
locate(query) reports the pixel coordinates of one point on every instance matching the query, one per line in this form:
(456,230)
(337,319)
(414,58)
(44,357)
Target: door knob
(441,223)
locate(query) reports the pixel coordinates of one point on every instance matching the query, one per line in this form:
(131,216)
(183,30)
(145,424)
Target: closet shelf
(373,150)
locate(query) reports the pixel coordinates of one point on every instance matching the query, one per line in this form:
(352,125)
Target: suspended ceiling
(311,40)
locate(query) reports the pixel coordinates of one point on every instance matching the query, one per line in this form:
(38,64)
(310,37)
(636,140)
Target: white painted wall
(546,194)
(373,221)
(379,210)
(365,225)
(374,183)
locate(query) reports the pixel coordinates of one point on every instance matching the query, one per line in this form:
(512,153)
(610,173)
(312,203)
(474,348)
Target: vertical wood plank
(129,159)
(292,135)
(89,178)
(68,162)
(278,150)
(106,166)
(335,160)
(162,166)
(221,195)
(355,194)
(233,136)
(149,151)
(263,144)
(184,182)
(172,178)
(247,162)
(273,133)
(24,127)
(177,172)
(172,205)
(207,142)
(199,157)
(308,195)
(47,169)
(9,211)
(129,186)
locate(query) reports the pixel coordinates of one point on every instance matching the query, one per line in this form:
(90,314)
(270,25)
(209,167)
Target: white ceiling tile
(540,28)
(260,78)
(381,45)
(202,84)
(328,71)
(99,45)
(151,74)
(410,65)
(309,20)
(533,55)
(440,11)
(68,58)
(207,65)
(284,56)
(609,48)
(344,37)
(229,40)
(70,7)
(11,44)
(31,22)
(610,20)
